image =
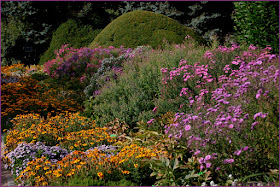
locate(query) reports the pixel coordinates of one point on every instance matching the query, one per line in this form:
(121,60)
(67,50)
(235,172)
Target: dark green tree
(257,22)
(33,24)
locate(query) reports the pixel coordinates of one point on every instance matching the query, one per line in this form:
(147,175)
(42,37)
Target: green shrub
(143,28)
(257,22)
(132,97)
(70,32)
(89,181)
(10,37)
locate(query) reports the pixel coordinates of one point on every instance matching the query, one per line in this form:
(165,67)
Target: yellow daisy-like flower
(58,175)
(45,184)
(69,174)
(100,175)
(125,172)
(135,165)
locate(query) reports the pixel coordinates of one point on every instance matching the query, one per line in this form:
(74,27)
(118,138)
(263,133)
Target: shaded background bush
(143,28)
(38,20)
(71,32)
(257,22)
(203,17)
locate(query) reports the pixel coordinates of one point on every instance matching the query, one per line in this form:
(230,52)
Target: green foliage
(10,35)
(143,28)
(257,22)
(88,181)
(203,17)
(70,32)
(132,97)
(34,31)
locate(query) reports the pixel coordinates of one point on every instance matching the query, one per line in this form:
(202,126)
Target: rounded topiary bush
(143,28)
(70,32)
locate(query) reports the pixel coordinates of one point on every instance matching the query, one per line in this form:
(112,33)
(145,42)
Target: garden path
(6,176)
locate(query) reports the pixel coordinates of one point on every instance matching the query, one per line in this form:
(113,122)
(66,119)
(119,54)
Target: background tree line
(27,27)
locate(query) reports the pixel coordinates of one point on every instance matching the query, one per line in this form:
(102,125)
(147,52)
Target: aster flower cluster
(72,62)
(219,109)
(18,158)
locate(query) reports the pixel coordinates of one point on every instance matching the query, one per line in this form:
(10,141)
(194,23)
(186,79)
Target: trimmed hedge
(143,28)
(70,32)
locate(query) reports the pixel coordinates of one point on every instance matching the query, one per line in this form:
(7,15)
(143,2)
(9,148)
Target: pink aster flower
(208,157)
(155,109)
(150,121)
(260,114)
(201,160)
(231,126)
(208,165)
(238,152)
(187,127)
(197,152)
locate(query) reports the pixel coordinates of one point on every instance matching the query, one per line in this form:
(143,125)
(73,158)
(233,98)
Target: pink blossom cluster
(225,117)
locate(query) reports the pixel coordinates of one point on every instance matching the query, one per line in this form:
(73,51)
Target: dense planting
(181,115)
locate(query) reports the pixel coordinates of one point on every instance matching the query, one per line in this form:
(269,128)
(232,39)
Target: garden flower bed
(182,115)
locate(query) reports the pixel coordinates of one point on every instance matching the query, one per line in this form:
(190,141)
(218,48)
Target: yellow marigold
(58,175)
(45,184)
(48,172)
(125,172)
(69,174)
(100,175)
(135,165)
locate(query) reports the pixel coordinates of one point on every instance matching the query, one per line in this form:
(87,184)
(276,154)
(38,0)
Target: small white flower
(203,184)
(230,176)
(212,183)
(259,184)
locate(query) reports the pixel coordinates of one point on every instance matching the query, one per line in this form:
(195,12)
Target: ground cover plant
(183,114)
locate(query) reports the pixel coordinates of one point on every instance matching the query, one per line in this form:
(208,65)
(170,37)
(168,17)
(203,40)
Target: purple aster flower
(187,127)
(208,157)
(231,126)
(150,121)
(245,148)
(260,114)
(155,109)
(201,160)
(238,152)
(208,165)
(197,152)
